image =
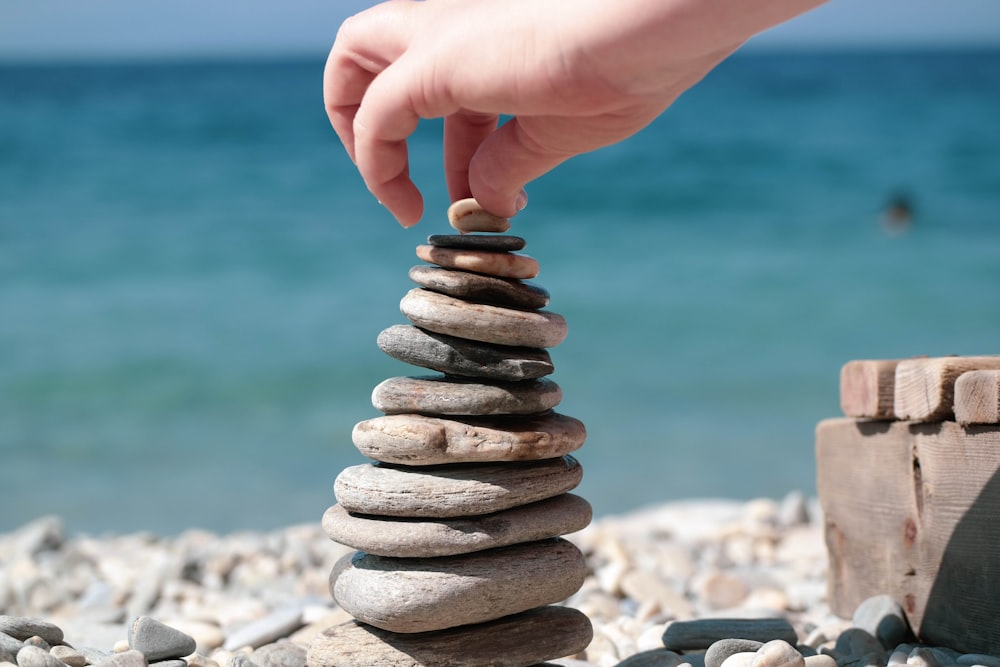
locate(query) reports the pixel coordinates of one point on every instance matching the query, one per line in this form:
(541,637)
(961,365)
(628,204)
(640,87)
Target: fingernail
(522,200)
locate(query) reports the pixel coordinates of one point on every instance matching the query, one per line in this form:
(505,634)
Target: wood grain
(867,388)
(910,510)
(977,397)
(925,388)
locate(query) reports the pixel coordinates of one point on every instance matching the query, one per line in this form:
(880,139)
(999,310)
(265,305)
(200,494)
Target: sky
(41,30)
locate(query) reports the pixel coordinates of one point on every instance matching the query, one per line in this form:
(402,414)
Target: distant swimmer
(897,216)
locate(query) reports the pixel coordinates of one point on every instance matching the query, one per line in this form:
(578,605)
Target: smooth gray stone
(417,440)
(415,538)
(522,640)
(702,633)
(175,662)
(659,657)
(280,654)
(274,626)
(131,658)
(722,649)
(33,656)
(978,659)
(855,642)
(158,641)
(37,641)
(456,356)
(426,594)
(455,490)
(440,395)
(495,242)
(883,617)
(10,645)
(481,288)
(23,627)
(476,321)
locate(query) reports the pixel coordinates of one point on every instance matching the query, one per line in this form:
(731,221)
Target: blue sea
(192,278)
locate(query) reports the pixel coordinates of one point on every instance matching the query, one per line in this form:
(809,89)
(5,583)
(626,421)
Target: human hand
(575,76)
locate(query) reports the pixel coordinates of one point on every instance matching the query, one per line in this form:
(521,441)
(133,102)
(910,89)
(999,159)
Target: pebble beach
(261,599)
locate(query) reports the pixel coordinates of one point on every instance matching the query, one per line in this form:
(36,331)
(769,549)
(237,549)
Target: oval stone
(501,264)
(457,356)
(523,640)
(453,491)
(426,594)
(485,323)
(466,215)
(23,627)
(417,440)
(701,633)
(422,538)
(482,289)
(455,396)
(496,243)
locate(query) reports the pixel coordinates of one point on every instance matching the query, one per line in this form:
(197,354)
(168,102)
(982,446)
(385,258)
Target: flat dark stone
(481,288)
(501,242)
(457,356)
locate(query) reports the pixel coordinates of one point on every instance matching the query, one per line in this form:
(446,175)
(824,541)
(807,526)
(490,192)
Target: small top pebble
(466,215)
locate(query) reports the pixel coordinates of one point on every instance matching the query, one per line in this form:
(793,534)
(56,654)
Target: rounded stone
(416,538)
(466,215)
(883,618)
(454,490)
(23,627)
(425,594)
(500,264)
(494,242)
(280,654)
(476,321)
(481,288)
(460,396)
(417,440)
(456,356)
(741,659)
(33,656)
(722,649)
(523,640)
(778,653)
(701,633)
(68,655)
(158,641)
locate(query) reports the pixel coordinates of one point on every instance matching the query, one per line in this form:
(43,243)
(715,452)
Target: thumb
(509,158)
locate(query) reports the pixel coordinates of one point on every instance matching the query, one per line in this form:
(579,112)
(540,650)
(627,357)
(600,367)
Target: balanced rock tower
(457,522)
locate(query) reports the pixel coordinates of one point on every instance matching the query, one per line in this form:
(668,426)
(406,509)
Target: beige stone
(446,537)
(778,653)
(425,594)
(500,264)
(466,215)
(420,441)
(488,324)
(453,491)
(521,640)
(454,396)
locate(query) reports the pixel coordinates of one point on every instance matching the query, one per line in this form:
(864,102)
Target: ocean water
(192,278)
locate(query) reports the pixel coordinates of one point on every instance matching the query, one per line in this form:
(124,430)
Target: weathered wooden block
(925,388)
(867,388)
(977,397)
(913,510)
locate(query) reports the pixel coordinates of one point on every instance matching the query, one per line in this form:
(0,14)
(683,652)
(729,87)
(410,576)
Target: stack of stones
(458,521)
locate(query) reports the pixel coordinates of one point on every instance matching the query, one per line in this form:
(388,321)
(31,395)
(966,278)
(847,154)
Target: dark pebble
(499,242)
